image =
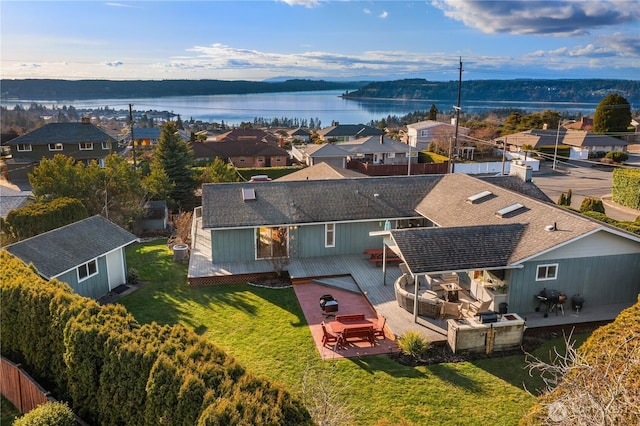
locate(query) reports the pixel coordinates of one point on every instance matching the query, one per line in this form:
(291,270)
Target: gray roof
(459,248)
(353,130)
(372,145)
(515,183)
(577,138)
(447,206)
(322,171)
(314,201)
(65,248)
(64,133)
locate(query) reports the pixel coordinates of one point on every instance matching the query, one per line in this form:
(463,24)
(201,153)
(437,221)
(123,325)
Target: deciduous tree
(613,114)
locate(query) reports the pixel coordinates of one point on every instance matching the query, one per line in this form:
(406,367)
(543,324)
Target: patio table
(452,291)
(362,329)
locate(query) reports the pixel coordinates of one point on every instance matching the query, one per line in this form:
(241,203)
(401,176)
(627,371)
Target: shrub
(591,205)
(49,414)
(414,344)
(37,218)
(617,156)
(132,276)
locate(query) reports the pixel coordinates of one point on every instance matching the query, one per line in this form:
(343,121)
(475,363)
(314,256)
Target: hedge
(112,370)
(37,218)
(626,187)
(49,414)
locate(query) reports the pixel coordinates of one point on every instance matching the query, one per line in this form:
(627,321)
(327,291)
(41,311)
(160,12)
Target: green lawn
(266,331)
(8,412)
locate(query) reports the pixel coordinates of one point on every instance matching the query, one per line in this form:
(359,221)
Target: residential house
(347,132)
(303,135)
(247,135)
(82,141)
(502,230)
(322,171)
(12,198)
(585,123)
(579,142)
(312,154)
(88,255)
(146,138)
(420,134)
(242,153)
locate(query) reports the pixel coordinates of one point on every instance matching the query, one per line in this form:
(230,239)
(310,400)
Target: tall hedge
(37,218)
(626,187)
(112,370)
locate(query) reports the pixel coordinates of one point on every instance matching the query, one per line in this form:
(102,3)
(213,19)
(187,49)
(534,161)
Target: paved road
(583,182)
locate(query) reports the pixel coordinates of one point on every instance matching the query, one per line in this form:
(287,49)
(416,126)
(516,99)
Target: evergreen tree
(219,171)
(433,113)
(613,114)
(175,157)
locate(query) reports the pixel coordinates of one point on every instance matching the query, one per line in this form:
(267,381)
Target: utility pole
(133,141)
(455,143)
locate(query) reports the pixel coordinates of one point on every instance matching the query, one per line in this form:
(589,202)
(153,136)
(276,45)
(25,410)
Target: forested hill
(111,89)
(591,90)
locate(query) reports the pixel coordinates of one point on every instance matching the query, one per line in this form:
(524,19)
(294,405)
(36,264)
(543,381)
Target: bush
(132,276)
(617,156)
(49,414)
(37,218)
(414,344)
(592,205)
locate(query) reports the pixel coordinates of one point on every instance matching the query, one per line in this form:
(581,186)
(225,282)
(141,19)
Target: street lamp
(555,151)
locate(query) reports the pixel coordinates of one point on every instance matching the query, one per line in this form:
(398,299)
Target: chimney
(86,120)
(523,171)
(381,139)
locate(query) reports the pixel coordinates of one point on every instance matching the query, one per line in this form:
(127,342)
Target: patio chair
(473,308)
(451,308)
(378,329)
(328,337)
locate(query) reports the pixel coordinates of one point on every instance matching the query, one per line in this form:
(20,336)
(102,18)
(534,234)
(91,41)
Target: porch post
(416,285)
(384,263)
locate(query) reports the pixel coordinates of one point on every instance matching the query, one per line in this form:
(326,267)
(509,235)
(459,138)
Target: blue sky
(381,40)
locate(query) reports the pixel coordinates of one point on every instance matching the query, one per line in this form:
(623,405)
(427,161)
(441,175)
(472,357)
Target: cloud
(30,65)
(366,11)
(544,17)
(383,15)
(305,3)
(114,63)
(607,46)
(123,5)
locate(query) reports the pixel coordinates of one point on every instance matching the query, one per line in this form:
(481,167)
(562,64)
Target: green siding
(600,280)
(233,245)
(350,238)
(94,287)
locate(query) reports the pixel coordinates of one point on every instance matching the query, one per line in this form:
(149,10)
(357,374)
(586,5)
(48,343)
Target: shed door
(115,269)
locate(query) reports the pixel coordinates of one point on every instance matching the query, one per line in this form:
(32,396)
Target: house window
(271,242)
(86,146)
(106,145)
(24,147)
(330,235)
(55,147)
(547,272)
(87,270)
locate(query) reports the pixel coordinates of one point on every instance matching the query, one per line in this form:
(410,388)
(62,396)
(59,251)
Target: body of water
(325,106)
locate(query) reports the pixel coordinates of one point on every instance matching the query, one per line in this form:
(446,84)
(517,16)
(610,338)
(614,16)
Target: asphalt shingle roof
(238,148)
(353,130)
(65,248)
(314,201)
(322,171)
(64,133)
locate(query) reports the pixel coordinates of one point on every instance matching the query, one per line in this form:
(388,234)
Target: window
(55,147)
(86,146)
(24,147)
(271,242)
(547,272)
(106,145)
(330,235)
(87,270)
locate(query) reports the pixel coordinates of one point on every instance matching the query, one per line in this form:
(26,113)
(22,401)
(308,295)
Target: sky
(317,39)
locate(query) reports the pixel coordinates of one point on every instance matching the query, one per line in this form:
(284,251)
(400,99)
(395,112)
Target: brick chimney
(86,120)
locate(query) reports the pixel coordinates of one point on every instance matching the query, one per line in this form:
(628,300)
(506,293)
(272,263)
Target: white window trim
(85,143)
(555,277)
(24,145)
(87,266)
(106,145)
(329,229)
(56,147)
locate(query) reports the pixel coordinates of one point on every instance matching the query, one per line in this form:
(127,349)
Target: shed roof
(65,248)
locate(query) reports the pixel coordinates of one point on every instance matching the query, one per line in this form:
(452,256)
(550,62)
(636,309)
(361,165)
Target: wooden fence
(398,169)
(19,388)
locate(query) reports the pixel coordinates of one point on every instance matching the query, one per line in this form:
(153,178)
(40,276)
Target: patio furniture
(473,308)
(329,305)
(378,329)
(377,256)
(429,304)
(451,309)
(350,318)
(549,298)
(328,337)
(360,332)
(452,290)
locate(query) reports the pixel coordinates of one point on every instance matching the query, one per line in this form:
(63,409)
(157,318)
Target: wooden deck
(367,278)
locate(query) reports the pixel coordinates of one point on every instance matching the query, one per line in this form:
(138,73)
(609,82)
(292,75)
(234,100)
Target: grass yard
(266,331)
(8,412)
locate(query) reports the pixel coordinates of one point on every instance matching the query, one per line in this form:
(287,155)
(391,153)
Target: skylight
(509,209)
(477,197)
(248,194)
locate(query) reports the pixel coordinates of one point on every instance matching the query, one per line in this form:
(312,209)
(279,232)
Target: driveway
(583,182)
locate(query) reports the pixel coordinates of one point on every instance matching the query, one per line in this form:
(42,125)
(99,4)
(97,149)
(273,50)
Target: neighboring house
(81,141)
(88,255)
(347,132)
(372,149)
(242,153)
(11,199)
(146,138)
(247,135)
(501,228)
(303,135)
(322,171)
(420,134)
(585,123)
(579,142)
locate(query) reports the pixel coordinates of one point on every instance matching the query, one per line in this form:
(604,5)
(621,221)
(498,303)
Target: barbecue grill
(552,300)
(328,304)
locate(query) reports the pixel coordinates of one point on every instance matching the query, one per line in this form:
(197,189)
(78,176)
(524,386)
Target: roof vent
(509,209)
(248,194)
(551,228)
(479,196)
